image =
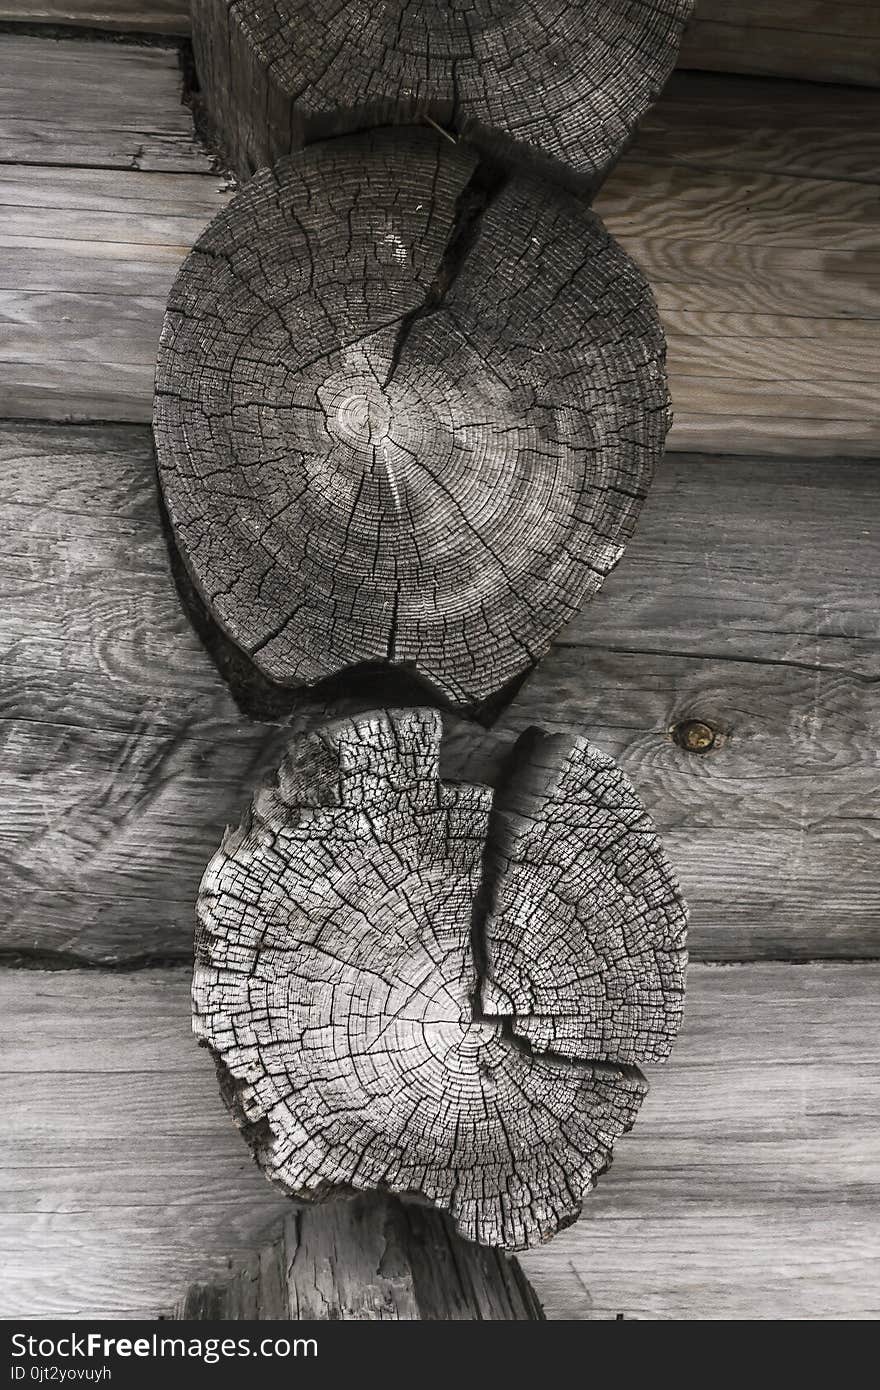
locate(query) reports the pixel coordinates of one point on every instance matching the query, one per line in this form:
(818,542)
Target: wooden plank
(131,16)
(746,598)
(748,1188)
(82,103)
(709,121)
(765,266)
(824,40)
(89,256)
(126,754)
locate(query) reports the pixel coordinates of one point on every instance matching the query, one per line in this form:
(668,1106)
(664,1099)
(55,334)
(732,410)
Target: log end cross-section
(563,81)
(407,410)
(344,933)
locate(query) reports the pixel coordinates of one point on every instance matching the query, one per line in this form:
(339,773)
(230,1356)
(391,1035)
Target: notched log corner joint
(425,988)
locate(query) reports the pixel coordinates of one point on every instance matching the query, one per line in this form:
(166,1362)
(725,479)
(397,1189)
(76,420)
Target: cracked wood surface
(822,40)
(275,74)
(341,933)
(368,1258)
(584,934)
(748,1189)
(85,278)
(406,410)
(126,754)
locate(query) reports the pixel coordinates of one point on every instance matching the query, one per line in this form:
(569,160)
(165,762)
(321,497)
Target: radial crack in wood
(371,1257)
(585,930)
(338,952)
(405,413)
(556,80)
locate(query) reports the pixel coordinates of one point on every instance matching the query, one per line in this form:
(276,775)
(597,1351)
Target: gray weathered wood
(773,347)
(133,16)
(367,1259)
(275,74)
(822,40)
(361,960)
(769,286)
(583,936)
(407,410)
(125,754)
(747,1190)
(711,122)
(826,40)
(79,103)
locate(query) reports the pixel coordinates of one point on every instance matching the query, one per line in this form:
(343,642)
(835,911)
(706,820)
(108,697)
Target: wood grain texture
(375,944)
(127,16)
(748,1190)
(751,205)
(824,40)
(370,1258)
(277,74)
(758,233)
(89,256)
(777,647)
(125,755)
(407,410)
(821,40)
(81,103)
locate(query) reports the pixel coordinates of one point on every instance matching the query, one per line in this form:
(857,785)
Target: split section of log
(406,412)
(369,1258)
(560,81)
(585,932)
(338,956)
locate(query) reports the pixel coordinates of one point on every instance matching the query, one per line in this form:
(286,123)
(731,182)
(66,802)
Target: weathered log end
(345,928)
(561,83)
(369,1257)
(407,411)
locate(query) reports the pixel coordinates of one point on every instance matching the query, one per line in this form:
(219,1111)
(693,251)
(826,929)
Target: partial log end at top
(561,82)
(423,988)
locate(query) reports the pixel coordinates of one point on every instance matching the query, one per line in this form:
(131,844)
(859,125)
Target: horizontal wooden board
(81,103)
(823,40)
(746,598)
(736,245)
(708,121)
(748,1188)
(124,751)
(753,211)
(747,601)
(132,16)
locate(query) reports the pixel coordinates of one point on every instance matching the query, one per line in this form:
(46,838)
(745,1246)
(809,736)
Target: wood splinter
(412,987)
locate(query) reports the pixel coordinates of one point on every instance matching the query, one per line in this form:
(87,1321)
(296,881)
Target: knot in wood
(695,735)
(418,987)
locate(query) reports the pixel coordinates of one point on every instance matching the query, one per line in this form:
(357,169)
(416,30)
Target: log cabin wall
(746,605)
